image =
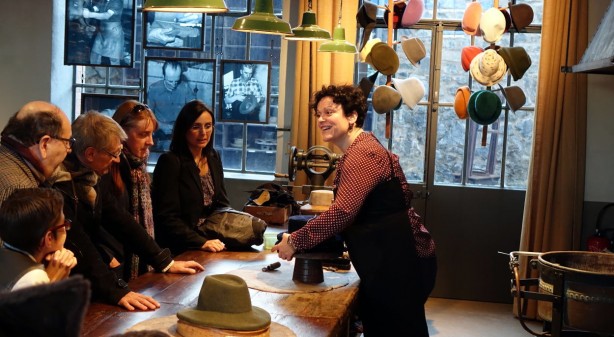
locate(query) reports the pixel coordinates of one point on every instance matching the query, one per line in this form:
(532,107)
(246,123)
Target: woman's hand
(59,264)
(132,301)
(284,250)
(213,246)
(186,267)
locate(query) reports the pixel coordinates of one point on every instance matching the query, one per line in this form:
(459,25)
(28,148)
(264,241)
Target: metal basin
(586,283)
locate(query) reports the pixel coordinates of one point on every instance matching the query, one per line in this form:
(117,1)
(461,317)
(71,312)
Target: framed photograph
(105,104)
(245,91)
(173,30)
(99,33)
(172,82)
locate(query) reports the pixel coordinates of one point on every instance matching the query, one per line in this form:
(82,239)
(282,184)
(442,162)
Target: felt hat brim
(256,319)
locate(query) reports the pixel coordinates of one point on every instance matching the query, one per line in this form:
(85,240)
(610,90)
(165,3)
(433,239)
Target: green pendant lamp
(308,30)
(262,21)
(338,44)
(185,6)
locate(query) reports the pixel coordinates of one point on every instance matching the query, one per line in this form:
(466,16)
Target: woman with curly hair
(392,251)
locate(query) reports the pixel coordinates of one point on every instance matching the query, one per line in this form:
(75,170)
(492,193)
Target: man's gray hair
(93,129)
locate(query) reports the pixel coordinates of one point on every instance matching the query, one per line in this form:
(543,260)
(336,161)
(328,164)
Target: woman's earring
(350,127)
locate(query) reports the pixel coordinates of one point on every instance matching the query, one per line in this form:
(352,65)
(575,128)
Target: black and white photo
(173,30)
(99,33)
(170,84)
(105,104)
(245,91)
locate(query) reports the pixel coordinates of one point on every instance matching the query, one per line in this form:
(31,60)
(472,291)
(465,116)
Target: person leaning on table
(101,228)
(34,229)
(393,253)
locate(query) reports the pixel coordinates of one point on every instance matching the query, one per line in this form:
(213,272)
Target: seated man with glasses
(34,143)
(101,228)
(34,229)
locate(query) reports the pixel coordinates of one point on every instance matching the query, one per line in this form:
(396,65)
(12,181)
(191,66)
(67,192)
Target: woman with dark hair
(128,180)
(191,209)
(392,251)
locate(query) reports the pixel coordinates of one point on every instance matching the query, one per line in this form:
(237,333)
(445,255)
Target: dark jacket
(14,266)
(177,196)
(123,201)
(98,225)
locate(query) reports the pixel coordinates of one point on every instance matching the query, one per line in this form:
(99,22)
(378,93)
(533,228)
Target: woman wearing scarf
(128,180)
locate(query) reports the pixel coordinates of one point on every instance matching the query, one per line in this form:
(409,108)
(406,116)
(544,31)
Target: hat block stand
(389,77)
(485,127)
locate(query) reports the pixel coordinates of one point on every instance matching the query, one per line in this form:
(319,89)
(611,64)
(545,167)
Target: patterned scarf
(140,200)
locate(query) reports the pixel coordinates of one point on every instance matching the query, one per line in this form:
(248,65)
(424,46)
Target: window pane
(261,148)
(229,143)
(409,140)
(450,146)
(485,160)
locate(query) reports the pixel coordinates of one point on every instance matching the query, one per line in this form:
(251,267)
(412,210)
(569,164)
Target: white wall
(25,54)
(600,124)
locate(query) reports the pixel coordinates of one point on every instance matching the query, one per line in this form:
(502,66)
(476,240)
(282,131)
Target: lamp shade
(309,30)
(262,21)
(338,44)
(185,6)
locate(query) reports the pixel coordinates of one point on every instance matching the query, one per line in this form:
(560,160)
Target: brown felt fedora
(385,99)
(383,58)
(517,60)
(413,48)
(522,15)
(224,303)
(515,97)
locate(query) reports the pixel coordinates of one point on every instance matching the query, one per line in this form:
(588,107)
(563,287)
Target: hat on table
(492,25)
(522,15)
(319,201)
(515,97)
(413,13)
(412,90)
(224,303)
(468,54)
(366,50)
(488,68)
(366,83)
(461,101)
(413,49)
(471,18)
(517,60)
(385,99)
(366,18)
(484,107)
(383,58)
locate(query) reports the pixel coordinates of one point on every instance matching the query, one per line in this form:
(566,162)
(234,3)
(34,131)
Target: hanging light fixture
(185,6)
(308,30)
(262,21)
(338,44)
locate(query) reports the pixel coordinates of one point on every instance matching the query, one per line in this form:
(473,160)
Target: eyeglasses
(66,224)
(114,155)
(69,142)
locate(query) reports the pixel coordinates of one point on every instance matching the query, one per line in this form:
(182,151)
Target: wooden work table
(317,314)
